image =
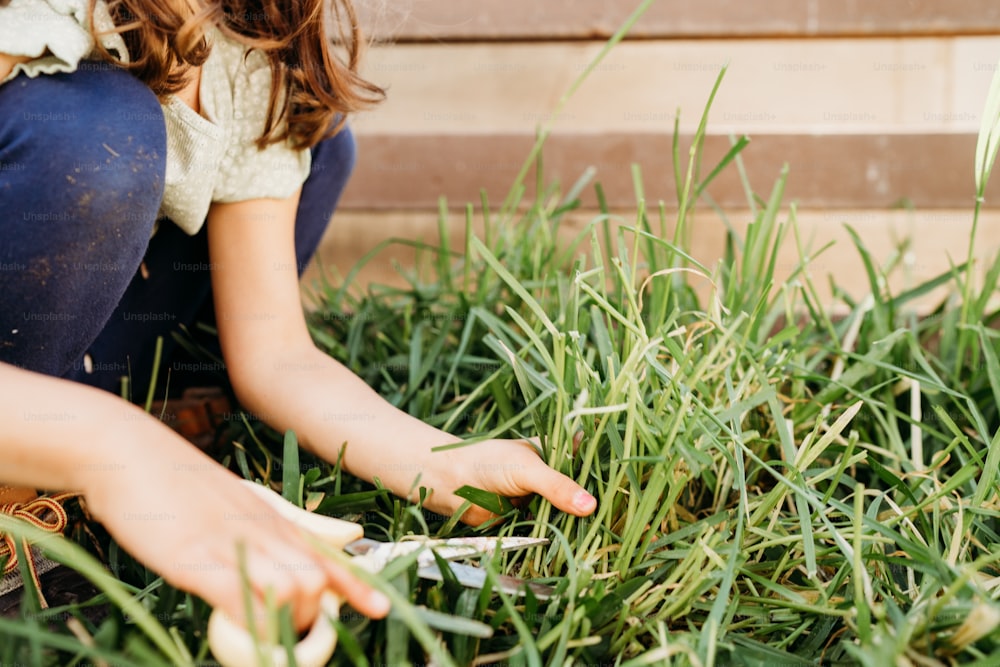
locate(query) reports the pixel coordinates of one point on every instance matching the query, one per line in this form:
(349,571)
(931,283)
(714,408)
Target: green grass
(775,485)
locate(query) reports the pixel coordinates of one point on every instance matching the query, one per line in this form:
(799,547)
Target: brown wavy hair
(314,75)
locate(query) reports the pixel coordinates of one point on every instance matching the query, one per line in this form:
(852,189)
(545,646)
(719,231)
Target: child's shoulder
(55,34)
(236,84)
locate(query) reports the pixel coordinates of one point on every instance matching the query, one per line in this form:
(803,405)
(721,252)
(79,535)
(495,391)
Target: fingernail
(584,502)
(379,603)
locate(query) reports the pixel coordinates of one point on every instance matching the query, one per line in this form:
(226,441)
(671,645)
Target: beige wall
(872,104)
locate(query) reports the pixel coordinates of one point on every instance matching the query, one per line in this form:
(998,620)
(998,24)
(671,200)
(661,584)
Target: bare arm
(56,435)
(280,375)
(167,503)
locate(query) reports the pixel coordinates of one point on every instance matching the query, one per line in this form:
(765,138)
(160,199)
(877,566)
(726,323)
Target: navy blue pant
(82,160)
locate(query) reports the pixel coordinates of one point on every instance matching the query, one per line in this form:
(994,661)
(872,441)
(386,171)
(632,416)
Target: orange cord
(45,513)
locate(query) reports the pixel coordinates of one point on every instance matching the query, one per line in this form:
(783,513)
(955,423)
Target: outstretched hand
(183,515)
(510,468)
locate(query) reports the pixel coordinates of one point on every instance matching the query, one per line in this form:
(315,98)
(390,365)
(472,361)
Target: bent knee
(96,135)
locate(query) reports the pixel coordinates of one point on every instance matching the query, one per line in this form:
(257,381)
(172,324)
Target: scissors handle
(335,532)
(233,646)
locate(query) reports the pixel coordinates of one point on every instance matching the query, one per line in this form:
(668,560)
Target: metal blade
(363,546)
(475,577)
(378,554)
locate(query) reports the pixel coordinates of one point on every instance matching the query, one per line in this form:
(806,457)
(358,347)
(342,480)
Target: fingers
(359,595)
(558,489)
(283,575)
(330,575)
(281,568)
(311,574)
(514,469)
(477,516)
(537,477)
(300,579)
(277,575)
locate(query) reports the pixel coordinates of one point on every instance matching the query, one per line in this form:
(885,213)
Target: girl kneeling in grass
(155,154)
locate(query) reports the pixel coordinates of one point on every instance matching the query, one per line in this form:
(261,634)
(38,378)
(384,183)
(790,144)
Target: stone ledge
(447,20)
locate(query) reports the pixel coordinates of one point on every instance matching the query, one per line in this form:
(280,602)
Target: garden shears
(233,646)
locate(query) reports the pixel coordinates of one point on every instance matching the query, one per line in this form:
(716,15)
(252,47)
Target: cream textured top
(211,157)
